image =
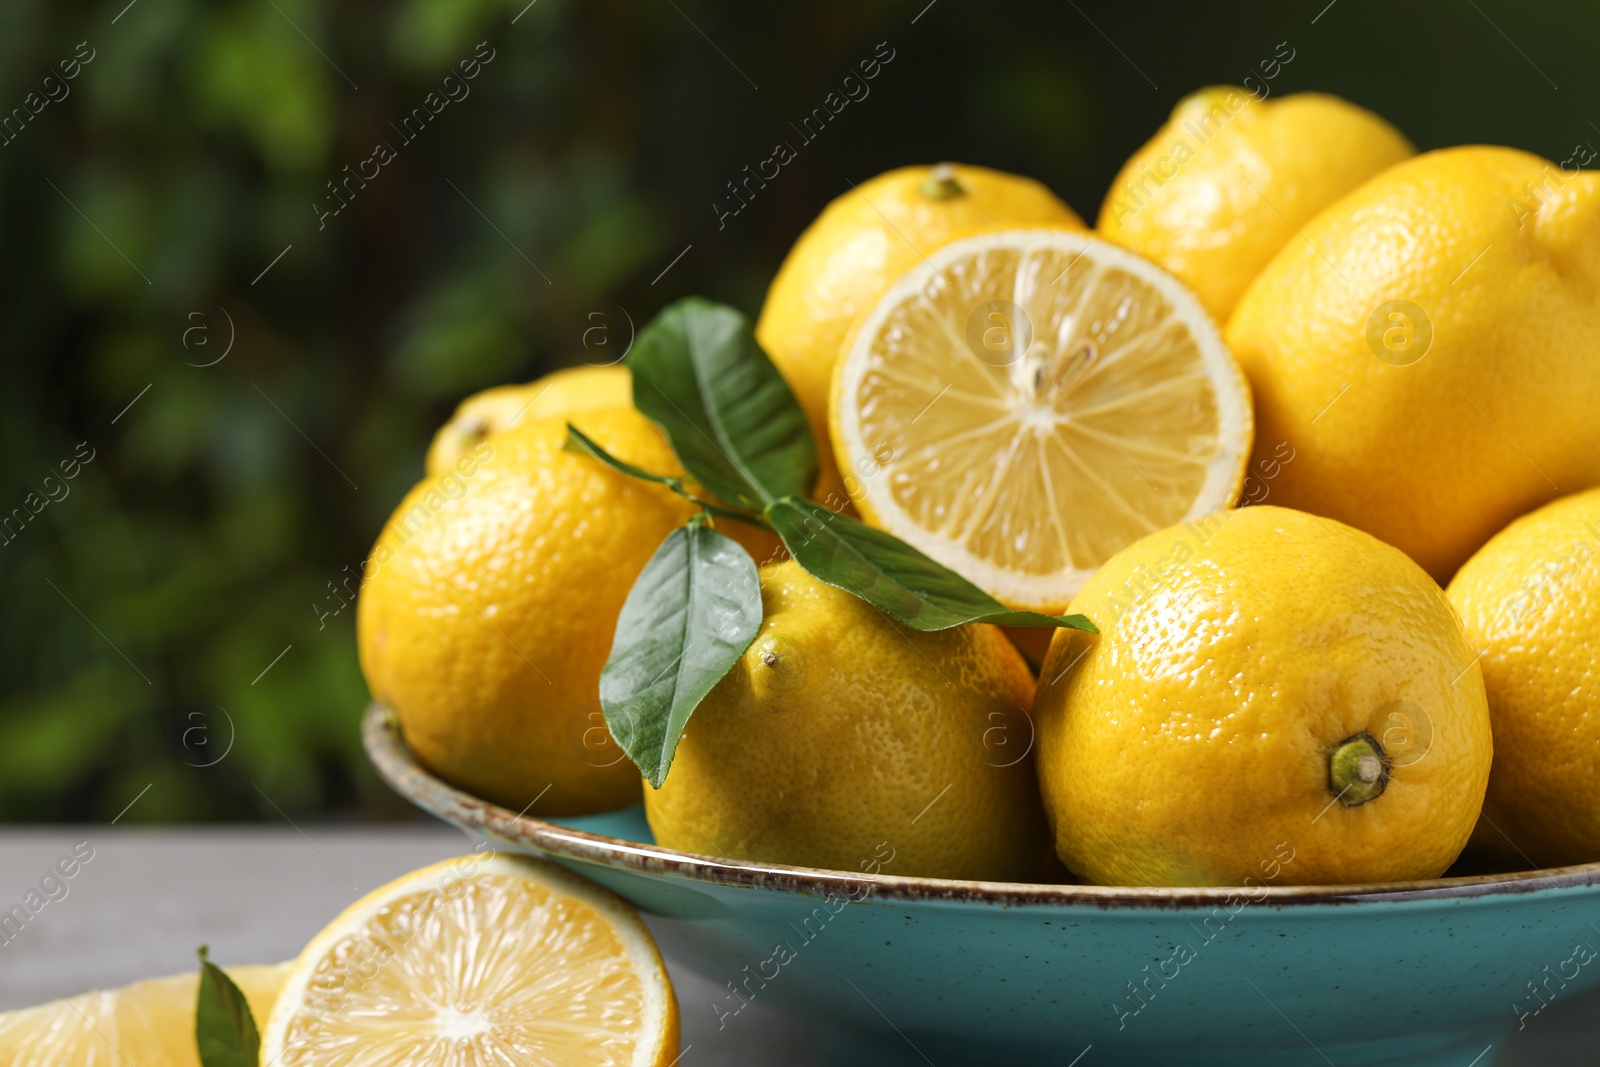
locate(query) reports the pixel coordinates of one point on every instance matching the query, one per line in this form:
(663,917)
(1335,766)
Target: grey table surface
(148,897)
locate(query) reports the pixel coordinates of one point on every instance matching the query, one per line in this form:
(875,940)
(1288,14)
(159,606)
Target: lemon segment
(1023,404)
(482,959)
(148,1023)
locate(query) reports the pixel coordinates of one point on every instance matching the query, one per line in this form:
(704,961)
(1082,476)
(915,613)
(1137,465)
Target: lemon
(147,1024)
(489,603)
(556,395)
(840,740)
(1427,351)
(1273,696)
(482,959)
(1530,599)
(1024,403)
(1231,177)
(861,243)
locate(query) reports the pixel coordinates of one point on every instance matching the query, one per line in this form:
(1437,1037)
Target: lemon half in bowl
(1022,404)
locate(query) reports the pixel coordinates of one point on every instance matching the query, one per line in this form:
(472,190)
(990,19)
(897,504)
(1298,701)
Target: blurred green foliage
(168,601)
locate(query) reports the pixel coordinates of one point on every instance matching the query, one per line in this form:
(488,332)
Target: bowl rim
(400,768)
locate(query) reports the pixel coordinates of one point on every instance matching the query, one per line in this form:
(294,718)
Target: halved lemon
(1024,403)
(486,959)
(147,1024)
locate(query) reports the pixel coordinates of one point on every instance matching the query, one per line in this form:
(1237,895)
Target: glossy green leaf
(690,615)
(699,374)
(224,1029)
(890,574)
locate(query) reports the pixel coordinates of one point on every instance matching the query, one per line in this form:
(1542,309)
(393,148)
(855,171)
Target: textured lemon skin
(149,1023)
(1188,744)
(1530,600)
(561,395)
(556,395)
(486,615)
(1224,184)
(860,746)
(853,251)
(1437,455)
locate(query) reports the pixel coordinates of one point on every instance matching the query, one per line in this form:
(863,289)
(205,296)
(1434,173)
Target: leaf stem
(723,512)
(582,444)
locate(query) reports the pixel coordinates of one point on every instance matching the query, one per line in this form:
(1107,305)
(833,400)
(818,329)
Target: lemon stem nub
(942,184)
(1358,771)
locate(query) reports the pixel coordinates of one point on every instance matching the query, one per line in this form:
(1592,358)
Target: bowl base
(846,1047)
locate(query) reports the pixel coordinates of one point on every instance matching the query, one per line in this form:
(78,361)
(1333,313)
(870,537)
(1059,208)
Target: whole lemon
(489,604)
(1272,695)
(1231,176)
(841,740)
(1427,351)
(861,243)
(557,394)
(1530,600)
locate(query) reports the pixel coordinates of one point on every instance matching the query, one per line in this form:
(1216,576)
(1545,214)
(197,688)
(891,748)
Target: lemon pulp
(1024,404)
(148,1023)
(515,962)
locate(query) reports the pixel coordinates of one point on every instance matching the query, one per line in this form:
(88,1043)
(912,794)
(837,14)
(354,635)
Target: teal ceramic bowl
(891,970)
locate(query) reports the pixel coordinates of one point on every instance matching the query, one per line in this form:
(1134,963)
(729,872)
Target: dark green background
(141,609)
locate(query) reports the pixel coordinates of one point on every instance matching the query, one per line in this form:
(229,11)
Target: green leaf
(688,618)
(224,1029)
(699,374)
(580,443)
(890,574)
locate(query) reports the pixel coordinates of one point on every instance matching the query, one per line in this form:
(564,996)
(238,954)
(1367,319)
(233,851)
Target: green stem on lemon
(942,184)
(1358,770)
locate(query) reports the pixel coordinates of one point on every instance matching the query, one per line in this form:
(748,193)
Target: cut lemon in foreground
(146,1024)
(486,959)
(1023,404)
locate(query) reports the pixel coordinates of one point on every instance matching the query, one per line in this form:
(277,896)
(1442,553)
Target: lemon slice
(486,959)
(148,1024)
(1024,403)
